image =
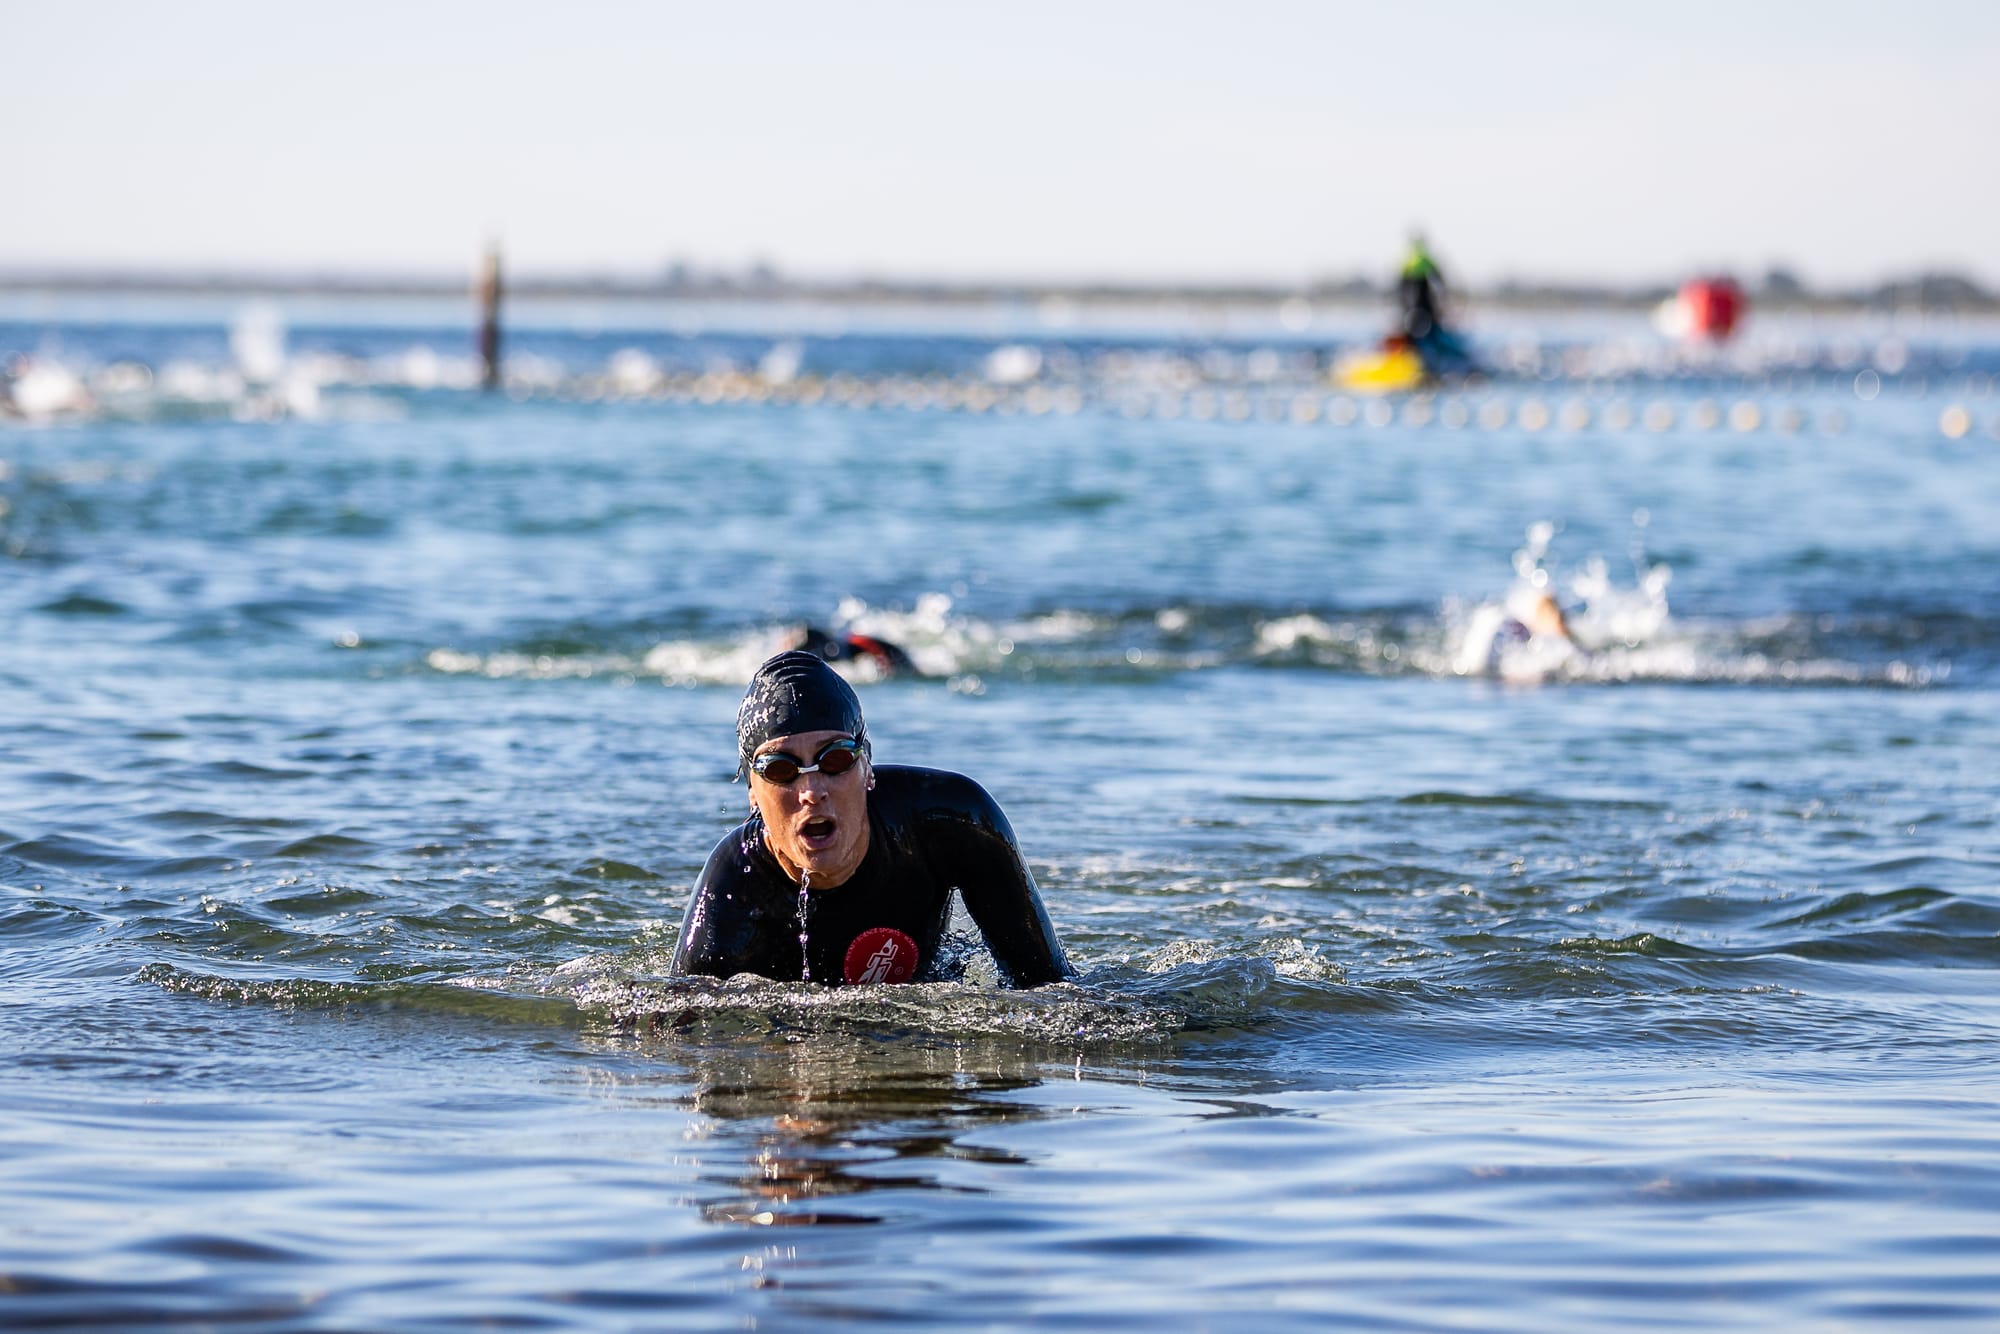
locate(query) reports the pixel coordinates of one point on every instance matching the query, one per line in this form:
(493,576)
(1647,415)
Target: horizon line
(762,281)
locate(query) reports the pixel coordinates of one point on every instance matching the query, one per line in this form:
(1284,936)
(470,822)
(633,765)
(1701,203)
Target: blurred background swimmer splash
(1528,636)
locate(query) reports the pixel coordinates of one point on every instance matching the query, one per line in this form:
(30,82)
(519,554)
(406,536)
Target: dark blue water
(365,735)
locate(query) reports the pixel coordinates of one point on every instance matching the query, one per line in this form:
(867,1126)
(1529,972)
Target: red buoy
(1711,307)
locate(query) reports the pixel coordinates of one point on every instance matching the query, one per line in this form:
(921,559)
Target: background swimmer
(879,655)
(1529,636)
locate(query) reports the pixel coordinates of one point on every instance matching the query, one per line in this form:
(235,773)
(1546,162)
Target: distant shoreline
(1930,292)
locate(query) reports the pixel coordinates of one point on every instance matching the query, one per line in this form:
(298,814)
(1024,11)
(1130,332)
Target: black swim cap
(791,693)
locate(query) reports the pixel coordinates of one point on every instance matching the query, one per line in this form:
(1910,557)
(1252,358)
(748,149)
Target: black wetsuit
(1422,296)
(929,832)
(888,658)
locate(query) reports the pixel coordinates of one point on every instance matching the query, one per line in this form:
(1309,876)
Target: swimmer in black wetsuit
(887,658)
(869,856)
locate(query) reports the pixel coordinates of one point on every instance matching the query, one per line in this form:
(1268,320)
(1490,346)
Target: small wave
(243,771)
(449,997)
(1504,799)
(40,919)
(70,852)
(1062,1012)
(1186,961)
(1914,946)
(1859,907)
(323,845)
(83,604)
(1181,987)
(607,868)
(938,642)
(1644,944)
(203,820)
(967,651)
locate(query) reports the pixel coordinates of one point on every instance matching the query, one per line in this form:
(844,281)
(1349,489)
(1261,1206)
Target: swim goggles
(834,758)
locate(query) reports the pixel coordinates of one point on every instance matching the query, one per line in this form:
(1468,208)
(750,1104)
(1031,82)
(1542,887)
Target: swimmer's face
(817,824)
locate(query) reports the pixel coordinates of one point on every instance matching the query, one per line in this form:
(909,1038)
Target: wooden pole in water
(487,289)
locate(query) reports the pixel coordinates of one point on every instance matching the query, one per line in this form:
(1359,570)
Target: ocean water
(366,732)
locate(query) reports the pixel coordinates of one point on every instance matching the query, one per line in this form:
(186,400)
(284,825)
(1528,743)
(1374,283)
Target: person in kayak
(1420,292)
(1420,325)
(844,871)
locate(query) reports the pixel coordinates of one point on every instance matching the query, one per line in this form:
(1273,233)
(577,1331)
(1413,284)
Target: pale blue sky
(1027,139)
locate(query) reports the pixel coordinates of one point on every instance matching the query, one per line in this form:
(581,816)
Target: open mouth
(818,831)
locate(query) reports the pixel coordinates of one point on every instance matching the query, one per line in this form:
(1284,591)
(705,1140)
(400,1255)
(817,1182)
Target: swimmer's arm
(983,860)
(710,946)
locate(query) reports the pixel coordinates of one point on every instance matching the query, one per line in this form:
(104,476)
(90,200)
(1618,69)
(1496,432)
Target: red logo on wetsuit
(881,954)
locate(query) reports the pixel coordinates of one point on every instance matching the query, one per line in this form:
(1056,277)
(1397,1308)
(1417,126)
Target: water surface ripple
(1429,978)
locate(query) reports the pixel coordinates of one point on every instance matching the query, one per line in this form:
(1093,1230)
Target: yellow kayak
(1380,370)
